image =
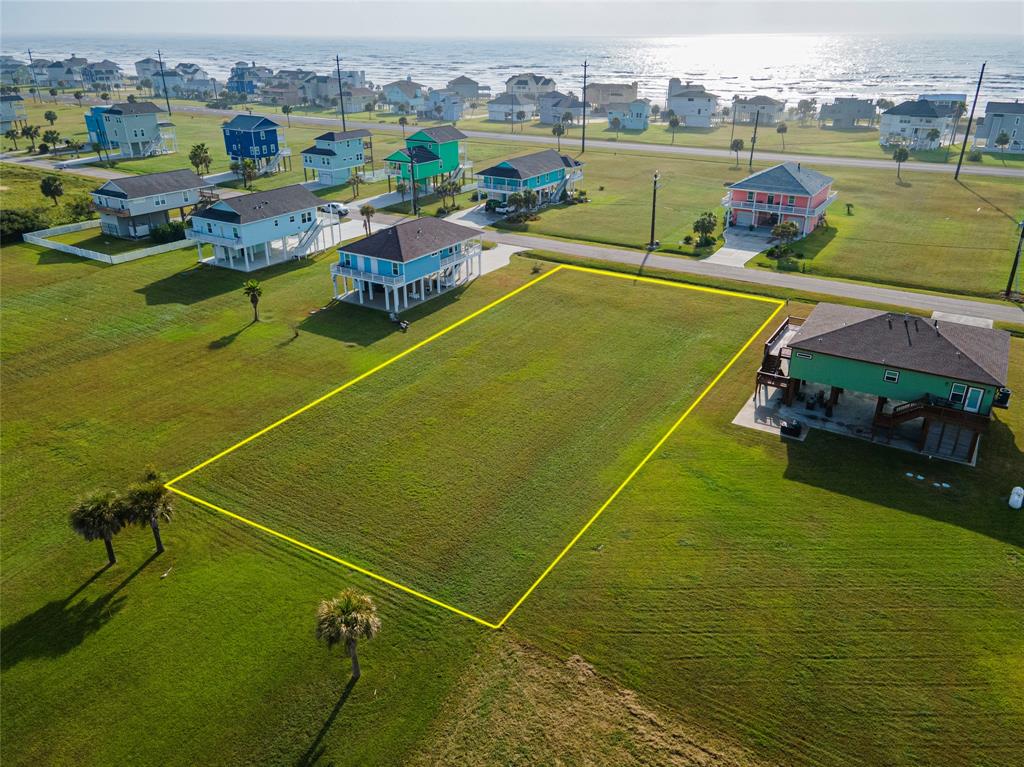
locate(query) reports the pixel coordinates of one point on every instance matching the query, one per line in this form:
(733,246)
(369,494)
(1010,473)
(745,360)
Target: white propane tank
(1016,497)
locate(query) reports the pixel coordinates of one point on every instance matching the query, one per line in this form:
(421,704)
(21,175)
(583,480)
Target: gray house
(553,106)
(130,207)
(1002,117)
(847,112)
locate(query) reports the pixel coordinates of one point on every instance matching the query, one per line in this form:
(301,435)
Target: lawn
(94,239)
(19,188)
(798,604)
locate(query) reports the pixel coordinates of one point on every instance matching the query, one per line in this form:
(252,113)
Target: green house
(945,376)
(430,154)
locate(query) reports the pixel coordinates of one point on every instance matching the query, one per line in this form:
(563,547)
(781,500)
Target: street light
(653,244)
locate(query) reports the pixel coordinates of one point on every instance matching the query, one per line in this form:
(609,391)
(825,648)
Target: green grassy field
(784,603)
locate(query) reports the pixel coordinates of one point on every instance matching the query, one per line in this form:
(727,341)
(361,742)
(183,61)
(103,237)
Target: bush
(79,208)
(14,222)
(171,232)
(974,155)
(42,147)
(788,264)
(688,240)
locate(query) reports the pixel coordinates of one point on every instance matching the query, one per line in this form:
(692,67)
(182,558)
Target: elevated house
(256,138)
(320,89)
(12,112)
(335,155)
(636,115)
(260,229)
(14,71)
(784,192)
(405,95)
(131,206)
(96,128)
(946,101)
(430,155)
(508,106)
(137,129)
(692,104)
(442,104)
(197,81)
(102,75)
(553,106)
(770,110)
(469,89)
(925,385)
(147,68)
(247,79)
(551,175)
(63,74)
(846,113)
(409,262)
(602,95)
(282,93)
(529,84)
(911,123)
(1002,117)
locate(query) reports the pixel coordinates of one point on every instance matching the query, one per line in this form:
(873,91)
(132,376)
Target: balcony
(212,239)
(339,270)
(471,251)
(763,207)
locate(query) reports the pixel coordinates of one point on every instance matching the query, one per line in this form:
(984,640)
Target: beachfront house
(553,106)
(137,129)
(845,113)
(911,123)
(1002,117)
(469,89)
(529,85)
(260,229)
(197,81)
(60,74)
(247,79)
(784,192)
(770,110)
(12,112)
(147,68)
(509,106)
(131,206)
(924,385)
(335,155)
(407,263)
(430,155)
(405,95)
(551,175)
(691,103)
(947,101)
(602,95)
(102,76)
(442,104)
(14,71)
(256,138)
(636,115)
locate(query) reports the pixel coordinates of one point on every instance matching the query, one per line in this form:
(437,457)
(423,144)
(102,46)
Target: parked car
(334,207)
(497,206)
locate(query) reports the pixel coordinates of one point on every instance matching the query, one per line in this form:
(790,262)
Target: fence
(41,238)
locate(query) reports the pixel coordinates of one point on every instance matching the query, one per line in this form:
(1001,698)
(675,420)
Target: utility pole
(583,144)
(732,133)
(341,95)
(167,99)
(412,177)
(1016,260)
(654,207)
(753,139)
(32,76)
(970,120)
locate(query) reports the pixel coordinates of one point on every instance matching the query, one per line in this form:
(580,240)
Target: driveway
(740,246)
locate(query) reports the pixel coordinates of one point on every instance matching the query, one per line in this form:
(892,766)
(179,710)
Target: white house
(334,155)
(944,100)
(257,230)
(137,129)
(508,106)
(529,84)
(147,68)
(553,106)
(102,75)
(692,104)
(131,206)
(770,110)
(405,93)
(636,115)
(442,104)
(1002,117)
(912,123)
(12,112)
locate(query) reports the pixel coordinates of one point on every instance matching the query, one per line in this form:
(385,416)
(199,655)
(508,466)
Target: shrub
(688,239)
(974,155)
(42,148)
(175,230)
(788,264)
(79,208)
(14,222)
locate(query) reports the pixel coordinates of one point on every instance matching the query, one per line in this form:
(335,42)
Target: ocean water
(781,66)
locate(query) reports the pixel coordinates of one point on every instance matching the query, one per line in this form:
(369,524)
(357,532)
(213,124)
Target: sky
(518,18)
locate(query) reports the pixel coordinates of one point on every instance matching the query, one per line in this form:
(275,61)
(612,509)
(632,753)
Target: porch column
(398,302)
(387,301)
(245,253)
(423,295)
(199,252)
(405,295)
(334,281)
(360,285)
(370,286)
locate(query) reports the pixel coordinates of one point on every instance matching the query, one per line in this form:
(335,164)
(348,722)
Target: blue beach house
(551,175)
(334,155)
(97,130)
(256,138)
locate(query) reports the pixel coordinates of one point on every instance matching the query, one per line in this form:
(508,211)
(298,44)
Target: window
(771,199)
(184,196)
(234,232)
(307,216)
(209,228)
(347,259)
(263,135)
(891,376)
(805,355)
(291,219)
(394,269)
(791,200)
(275,222)
(956,393)
(750,196)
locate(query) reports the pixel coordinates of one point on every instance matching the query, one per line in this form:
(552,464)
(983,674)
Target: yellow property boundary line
(426,597)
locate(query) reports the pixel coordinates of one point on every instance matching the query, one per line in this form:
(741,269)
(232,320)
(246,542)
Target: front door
(972,404)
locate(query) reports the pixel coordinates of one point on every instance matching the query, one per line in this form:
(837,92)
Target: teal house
(431,155)
(551,175)
(335,155)
(933,382)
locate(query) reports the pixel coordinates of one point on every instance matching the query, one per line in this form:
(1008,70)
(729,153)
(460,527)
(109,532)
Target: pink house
(786,192)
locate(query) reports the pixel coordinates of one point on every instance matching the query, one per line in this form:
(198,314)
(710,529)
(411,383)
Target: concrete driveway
(740,246)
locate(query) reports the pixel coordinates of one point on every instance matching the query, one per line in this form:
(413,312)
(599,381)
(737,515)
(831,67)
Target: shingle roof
(758,101)
(337,135)
(138,108)
(410,240)
(695,92)
(250,122)
(511,99)
(418,152)
(1004,108)
(11,97)
(526,77)
(130,187)
(462,80)
(320,151)
(785,178)
(530,165)
(922,108)
(260,205)
(441,134)
(964,352)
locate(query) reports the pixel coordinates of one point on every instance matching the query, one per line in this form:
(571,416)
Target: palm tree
(736,146)
(782,129)
(31,132)
(617,126)
(53,92)
(74,146)
(367,211)
(705,226)
(655,111)
(12,135)
(132,99)
(900,155)
(236,168)
(402,188)
(530,199)
(96,518)
(785,232)
(356,180)
(438,110)
(51,187)
(521,116)
(51,137)
(403,121)
(1002,141)
(35,93)
(249,172)
(254,290)
(558,130)
(933,134)
(673,123)
(78,97)
(286,110)
(347,618)
(50,116)
(515,201)
(105,96)
(147,83)
(567,118)
(146,503)
(199,157)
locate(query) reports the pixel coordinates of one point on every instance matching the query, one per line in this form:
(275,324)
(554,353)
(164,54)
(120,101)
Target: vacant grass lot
(798,604)
(463,469)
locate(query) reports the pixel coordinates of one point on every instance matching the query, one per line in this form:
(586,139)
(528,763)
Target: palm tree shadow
(315,750)
(223,341)
(59,626)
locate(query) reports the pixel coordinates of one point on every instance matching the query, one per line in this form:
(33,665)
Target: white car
(334,207)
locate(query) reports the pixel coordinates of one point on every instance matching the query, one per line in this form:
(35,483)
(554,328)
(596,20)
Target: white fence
(41,238)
